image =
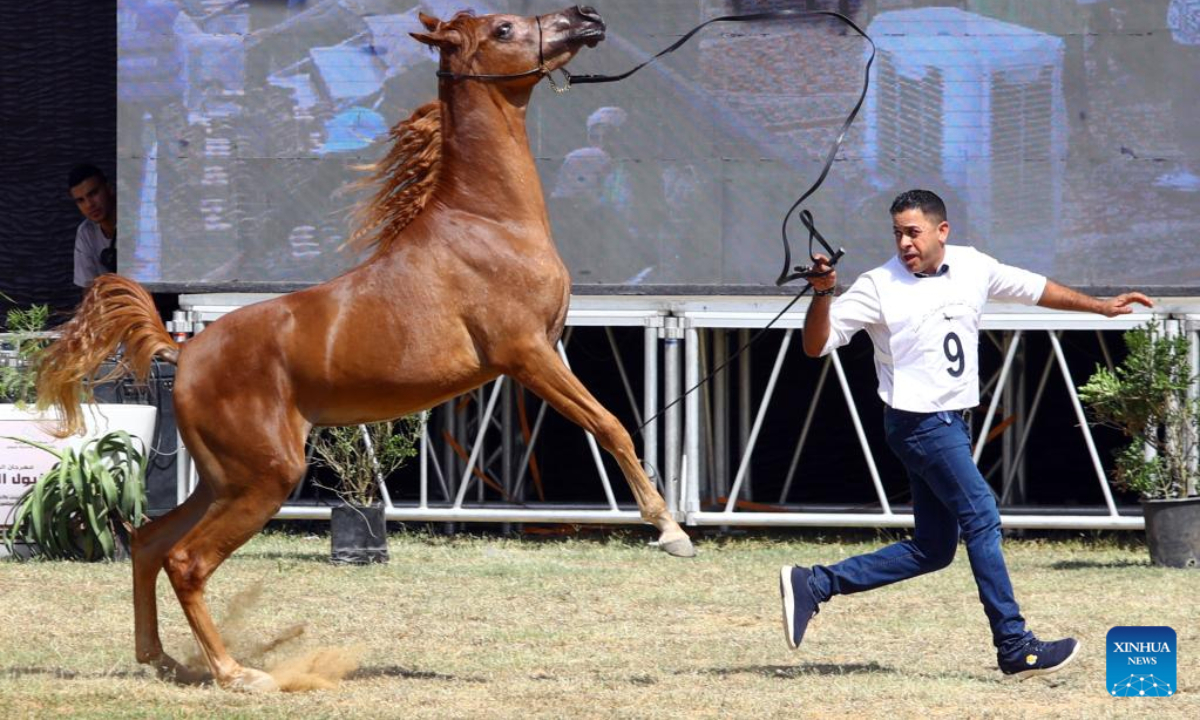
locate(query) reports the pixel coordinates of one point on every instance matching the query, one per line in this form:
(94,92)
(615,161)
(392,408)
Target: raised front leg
(543,372)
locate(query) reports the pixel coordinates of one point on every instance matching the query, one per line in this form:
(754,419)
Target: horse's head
(511,48)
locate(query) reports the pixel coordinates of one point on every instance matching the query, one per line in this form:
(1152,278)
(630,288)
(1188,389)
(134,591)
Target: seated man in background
(96,238)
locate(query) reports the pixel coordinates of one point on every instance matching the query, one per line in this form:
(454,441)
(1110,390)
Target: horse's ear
(439,38)
(430,22)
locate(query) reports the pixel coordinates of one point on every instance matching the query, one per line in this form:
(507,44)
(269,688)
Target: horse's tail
(114,310)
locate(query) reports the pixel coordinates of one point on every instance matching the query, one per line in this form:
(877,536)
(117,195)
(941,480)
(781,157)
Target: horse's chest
(524,297)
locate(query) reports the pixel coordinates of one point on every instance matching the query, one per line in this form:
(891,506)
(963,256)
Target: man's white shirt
(89,243)
(926,329)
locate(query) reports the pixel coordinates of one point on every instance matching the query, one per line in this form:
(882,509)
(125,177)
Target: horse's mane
(405,177)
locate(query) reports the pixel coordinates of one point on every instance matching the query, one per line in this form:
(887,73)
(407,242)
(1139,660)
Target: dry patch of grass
(493,628)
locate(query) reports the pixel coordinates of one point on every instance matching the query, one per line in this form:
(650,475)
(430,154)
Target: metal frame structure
(695,453)
(1014,321)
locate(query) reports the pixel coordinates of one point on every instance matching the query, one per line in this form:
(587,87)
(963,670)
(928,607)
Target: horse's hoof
(678,546)
(252,681)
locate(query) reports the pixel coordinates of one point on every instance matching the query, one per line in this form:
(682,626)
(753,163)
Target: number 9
(954,355)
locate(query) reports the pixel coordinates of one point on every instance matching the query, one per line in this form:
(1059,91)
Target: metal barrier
(1012,320)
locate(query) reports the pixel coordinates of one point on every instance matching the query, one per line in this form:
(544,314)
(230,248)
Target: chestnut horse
(464,285)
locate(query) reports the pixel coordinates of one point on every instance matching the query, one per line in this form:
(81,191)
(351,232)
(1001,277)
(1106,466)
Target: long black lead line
(755,338)
(788,273)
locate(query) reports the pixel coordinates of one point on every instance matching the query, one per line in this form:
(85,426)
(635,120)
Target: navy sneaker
(1040,658)
(799,603)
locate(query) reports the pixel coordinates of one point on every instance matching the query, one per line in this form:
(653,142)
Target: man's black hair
(924,200)
(86,171)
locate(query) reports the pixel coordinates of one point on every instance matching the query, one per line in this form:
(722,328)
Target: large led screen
(1063,135)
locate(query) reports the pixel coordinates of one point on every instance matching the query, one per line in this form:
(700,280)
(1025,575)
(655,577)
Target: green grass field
(496,628)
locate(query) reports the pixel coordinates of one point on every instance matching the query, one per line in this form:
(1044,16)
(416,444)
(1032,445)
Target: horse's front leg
(541,370)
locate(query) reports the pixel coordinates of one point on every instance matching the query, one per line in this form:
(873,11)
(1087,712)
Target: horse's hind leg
(224,528)
(148,549)
(542,371)
(249,486)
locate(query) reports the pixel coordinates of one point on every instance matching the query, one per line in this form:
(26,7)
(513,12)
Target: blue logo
(1141,662)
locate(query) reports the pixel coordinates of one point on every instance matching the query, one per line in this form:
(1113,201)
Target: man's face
(94,199)
(920,240)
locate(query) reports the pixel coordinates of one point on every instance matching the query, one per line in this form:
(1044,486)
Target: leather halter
(541,69)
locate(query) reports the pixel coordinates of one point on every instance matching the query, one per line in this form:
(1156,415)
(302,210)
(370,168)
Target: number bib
(932,360)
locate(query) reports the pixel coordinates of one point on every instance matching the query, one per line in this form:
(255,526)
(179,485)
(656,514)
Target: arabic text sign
(20,464)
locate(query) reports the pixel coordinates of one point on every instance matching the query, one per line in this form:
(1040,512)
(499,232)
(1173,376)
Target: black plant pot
(1173,531)
(358,535)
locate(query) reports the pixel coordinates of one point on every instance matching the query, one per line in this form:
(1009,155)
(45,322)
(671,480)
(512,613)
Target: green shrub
(1146,398)
(78,509)
(360,454)
(25,343)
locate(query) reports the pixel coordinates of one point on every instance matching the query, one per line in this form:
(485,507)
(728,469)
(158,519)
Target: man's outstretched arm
(1061,297)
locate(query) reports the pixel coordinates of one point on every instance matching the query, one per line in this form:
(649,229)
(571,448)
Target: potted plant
(81,507)
(1147,397)
(362,457)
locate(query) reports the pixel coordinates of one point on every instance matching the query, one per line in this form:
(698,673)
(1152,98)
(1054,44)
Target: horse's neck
(487,167)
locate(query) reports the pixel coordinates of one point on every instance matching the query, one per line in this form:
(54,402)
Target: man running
(921,310)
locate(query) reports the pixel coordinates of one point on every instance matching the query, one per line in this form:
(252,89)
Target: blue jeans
(948,496)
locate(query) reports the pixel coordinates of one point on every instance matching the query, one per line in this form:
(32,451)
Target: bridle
(540,69)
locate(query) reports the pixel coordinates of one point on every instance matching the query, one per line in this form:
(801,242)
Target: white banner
(21,465)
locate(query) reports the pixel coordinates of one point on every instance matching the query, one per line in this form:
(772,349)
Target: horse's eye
(504,31)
